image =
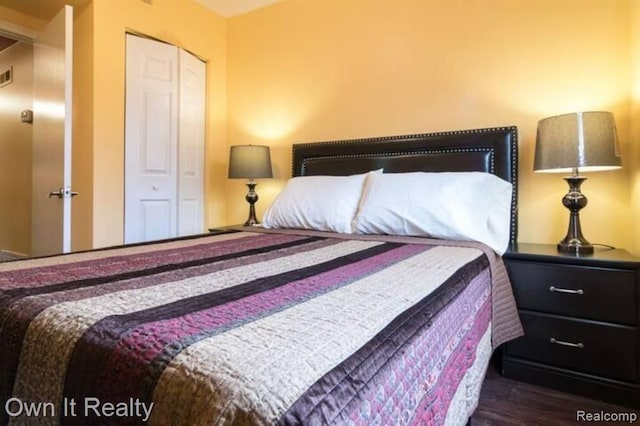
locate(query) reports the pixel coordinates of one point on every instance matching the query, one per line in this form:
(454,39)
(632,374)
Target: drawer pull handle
(572,345)
(565,290)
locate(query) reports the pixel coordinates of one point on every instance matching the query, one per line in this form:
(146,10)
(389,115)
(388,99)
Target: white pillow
(470,206)
(323,203)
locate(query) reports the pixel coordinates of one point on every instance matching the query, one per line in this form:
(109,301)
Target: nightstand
(581,321)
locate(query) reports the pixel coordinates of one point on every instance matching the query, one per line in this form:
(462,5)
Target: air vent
(6,77)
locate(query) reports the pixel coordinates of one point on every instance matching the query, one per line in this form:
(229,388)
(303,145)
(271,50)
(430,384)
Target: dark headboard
(493,150)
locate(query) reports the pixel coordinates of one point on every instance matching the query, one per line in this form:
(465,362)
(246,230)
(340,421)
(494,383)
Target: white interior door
(151,140)
(164,142)
(52,193)
(191,145)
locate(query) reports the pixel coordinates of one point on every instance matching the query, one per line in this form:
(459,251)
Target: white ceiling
(229,8)
(44,10)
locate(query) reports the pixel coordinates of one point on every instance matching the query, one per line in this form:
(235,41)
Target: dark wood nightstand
(581,321)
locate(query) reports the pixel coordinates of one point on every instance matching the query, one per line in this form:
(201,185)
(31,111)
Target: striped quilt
(251,328)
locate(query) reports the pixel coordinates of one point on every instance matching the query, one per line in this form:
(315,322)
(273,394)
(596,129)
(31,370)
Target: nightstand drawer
(587,292)
(591,347)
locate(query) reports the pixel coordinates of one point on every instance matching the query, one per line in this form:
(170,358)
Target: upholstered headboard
(492,150)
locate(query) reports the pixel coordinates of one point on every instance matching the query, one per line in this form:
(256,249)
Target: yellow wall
(635,126)
(98,113)
(184,24)
(15,150)
(305,71)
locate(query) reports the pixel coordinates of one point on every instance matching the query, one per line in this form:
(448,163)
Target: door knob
(62,193)
(56,193)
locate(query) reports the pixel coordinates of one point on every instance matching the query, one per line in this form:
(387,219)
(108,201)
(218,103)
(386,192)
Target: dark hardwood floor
(509,402)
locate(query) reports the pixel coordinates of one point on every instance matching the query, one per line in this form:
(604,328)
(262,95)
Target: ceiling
(229,8)
(46,10)
(43,10)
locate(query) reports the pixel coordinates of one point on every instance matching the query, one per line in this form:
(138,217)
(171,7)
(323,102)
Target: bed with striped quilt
(253,328)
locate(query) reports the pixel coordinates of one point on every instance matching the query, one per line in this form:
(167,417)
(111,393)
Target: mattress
(253,328)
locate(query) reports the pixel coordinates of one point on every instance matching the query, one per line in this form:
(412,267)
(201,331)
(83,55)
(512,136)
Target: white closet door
(151,140)
(191,145)
(165,113)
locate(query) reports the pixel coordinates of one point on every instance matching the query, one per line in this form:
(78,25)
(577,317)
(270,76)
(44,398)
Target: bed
(269,326)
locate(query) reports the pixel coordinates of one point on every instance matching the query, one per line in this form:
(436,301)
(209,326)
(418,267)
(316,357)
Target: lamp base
(252,198)
(251,222)
(574,242)
(575,247)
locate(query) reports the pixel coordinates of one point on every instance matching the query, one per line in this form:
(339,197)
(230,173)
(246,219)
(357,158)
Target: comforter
(252,328)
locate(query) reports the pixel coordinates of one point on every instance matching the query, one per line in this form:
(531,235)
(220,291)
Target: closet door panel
(191,145)
(164,153)
(151,140)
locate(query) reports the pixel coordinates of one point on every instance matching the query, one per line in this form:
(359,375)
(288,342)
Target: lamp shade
(250,162)
(581,140)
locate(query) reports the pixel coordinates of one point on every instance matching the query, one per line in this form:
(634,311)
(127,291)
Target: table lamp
(250,162)
(581,141)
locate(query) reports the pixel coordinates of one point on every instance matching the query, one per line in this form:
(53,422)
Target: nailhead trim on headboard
(400,153)
(512,155)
